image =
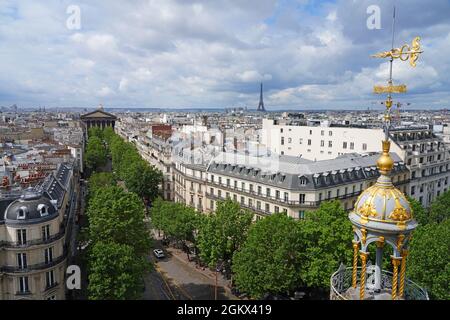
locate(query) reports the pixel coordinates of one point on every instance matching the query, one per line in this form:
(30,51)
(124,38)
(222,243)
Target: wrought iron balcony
(33,267)
(341,287)
(33,242)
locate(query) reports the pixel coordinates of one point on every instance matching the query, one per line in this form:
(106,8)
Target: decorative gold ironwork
(390,89)
(362,283)
(395,263)
(400,239)
(401,290)
(367,210)
(355,264)
(403,53)
(380,242)
(363,236)
(399,214)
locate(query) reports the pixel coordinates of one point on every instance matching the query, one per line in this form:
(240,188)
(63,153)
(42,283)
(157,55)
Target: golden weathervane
(404,53)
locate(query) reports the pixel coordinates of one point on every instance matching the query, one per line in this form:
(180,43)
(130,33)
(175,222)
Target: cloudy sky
(186,53)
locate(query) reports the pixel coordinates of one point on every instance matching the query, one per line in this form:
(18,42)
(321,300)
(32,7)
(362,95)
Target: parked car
(159,253)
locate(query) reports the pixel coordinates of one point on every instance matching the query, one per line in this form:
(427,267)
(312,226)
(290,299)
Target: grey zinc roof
(296,173)
(56,184)
(30,202)
(4,203)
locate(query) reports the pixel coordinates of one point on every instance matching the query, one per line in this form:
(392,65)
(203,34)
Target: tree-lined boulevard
(274,256)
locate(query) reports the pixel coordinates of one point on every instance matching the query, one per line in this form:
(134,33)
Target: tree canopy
(440,208)
(428,263)
(143,179)
(118,216)
(139,176)
(327,235)
(115,273)
(99,180)
(419,212)
(120,240)
(176,220)
(281,253)
(96,154)
(222,233)
(270,259)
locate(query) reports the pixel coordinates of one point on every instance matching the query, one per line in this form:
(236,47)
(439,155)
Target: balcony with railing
(342,289)
(33,242)
(34,267)
(285,201)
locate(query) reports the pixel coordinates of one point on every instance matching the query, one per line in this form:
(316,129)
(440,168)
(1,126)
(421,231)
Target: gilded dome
(383,202)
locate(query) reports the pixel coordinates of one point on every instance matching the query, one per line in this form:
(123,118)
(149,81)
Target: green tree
(99,180)
(118,216)
(143,179)
(183,225)
(419,213)
(327,235)
(440,208)
(108,134)
(114,272)
(95,155)
(176,220)
(428,262)
(222,233)
(95,132)
(157,213)
(124,155)
(270,259)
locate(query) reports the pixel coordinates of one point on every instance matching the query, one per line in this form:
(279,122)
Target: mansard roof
(300,174)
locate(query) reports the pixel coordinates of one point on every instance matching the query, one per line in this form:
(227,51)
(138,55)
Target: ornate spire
(385,162)
(381,215)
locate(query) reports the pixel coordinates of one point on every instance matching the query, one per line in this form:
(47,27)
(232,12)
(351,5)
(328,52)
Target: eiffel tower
(261,102)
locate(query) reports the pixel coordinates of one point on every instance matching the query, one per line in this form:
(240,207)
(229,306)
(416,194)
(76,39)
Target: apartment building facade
(156,149)
(428,159)
(424,153)
(34,237)
(268,185)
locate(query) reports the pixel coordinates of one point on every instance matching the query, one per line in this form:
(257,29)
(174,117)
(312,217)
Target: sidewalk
(182,256)
(221,281)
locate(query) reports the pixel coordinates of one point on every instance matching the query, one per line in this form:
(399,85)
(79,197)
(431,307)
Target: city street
(175,279)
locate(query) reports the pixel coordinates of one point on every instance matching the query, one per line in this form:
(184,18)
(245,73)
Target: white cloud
(253,76)
(178,53)
(105,91)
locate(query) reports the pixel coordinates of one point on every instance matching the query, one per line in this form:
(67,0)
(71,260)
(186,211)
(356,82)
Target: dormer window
(43,210)
(303,181)
(22,213)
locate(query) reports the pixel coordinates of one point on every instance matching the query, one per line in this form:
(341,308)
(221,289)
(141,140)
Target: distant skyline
(186,54)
